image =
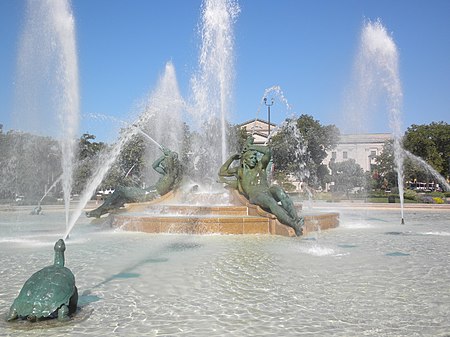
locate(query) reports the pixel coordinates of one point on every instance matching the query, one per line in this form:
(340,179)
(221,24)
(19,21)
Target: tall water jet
(376,73)
(106,160)
(212,85)
(47,93)
(162,117)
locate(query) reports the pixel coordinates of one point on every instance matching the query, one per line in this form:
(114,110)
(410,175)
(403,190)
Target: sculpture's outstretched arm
(156,165)
(226,170)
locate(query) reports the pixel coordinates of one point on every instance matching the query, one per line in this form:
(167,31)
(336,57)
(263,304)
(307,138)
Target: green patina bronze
(48,293)
(250,179)
(168,165)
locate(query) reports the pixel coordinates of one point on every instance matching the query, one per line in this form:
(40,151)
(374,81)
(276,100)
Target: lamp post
(268,114)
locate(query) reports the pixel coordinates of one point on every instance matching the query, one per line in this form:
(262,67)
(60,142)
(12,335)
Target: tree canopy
(431,143)
(347,175)
(301,146)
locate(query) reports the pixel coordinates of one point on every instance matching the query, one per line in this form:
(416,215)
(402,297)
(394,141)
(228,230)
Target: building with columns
(363,148)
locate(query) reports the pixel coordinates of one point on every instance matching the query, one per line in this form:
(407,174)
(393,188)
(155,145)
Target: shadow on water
(377,219)
(129,271)
(182,246)
(397,254)
(396,233)
(347,245)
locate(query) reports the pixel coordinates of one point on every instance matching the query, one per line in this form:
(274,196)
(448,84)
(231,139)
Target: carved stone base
(164,217)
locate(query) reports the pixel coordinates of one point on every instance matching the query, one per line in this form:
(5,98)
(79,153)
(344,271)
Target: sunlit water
(369,277)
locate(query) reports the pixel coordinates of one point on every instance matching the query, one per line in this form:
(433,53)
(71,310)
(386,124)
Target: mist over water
(46,92)
(162,118)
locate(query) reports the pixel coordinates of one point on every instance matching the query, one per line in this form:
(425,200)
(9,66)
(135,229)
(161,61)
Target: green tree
(319,139)
(386,171)
(28,165)
(88,159)
(290,153)
(236,136)
(87,148)
(347,175)
(132,161)
(128,169)
(300,151)
(431,143)
(385,167)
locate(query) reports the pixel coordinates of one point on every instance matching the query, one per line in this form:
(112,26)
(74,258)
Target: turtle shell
(45,292)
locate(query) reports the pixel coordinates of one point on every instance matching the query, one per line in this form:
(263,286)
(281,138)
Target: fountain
(344,282)
(376,73)
(212,84)
(47,55)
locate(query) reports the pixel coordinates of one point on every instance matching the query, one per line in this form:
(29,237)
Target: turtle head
(60,247)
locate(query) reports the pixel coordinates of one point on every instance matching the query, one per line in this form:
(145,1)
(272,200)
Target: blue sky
(305,47)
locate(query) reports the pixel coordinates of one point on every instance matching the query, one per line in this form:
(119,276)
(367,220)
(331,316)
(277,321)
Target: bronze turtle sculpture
(48,293)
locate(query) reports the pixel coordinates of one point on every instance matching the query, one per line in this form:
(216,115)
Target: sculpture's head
(60,246)
(250,158)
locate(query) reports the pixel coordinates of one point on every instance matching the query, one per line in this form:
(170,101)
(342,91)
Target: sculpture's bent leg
(280,195)
(73,302)
(114,201)
(63,313)
(12,314)
(266,201)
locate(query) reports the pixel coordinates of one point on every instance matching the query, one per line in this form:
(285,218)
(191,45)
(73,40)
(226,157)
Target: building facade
(259,129)
(363,148)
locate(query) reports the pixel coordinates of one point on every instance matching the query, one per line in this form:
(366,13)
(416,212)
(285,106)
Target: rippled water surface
(369,277)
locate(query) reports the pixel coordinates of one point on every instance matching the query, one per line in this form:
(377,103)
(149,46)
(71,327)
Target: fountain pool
(371,276)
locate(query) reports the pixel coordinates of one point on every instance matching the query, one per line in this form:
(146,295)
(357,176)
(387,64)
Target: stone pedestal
(168,216)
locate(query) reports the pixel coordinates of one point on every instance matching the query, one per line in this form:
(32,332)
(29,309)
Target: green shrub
(426,199)
(410,195)
(437,194)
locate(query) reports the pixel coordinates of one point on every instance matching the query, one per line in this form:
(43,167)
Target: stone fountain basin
(217,219)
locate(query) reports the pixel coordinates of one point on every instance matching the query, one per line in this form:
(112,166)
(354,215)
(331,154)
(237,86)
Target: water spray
(148,137)
(50,188)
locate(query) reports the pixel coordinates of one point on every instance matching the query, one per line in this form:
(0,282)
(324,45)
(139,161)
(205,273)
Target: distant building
(259,128)
(363,148)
